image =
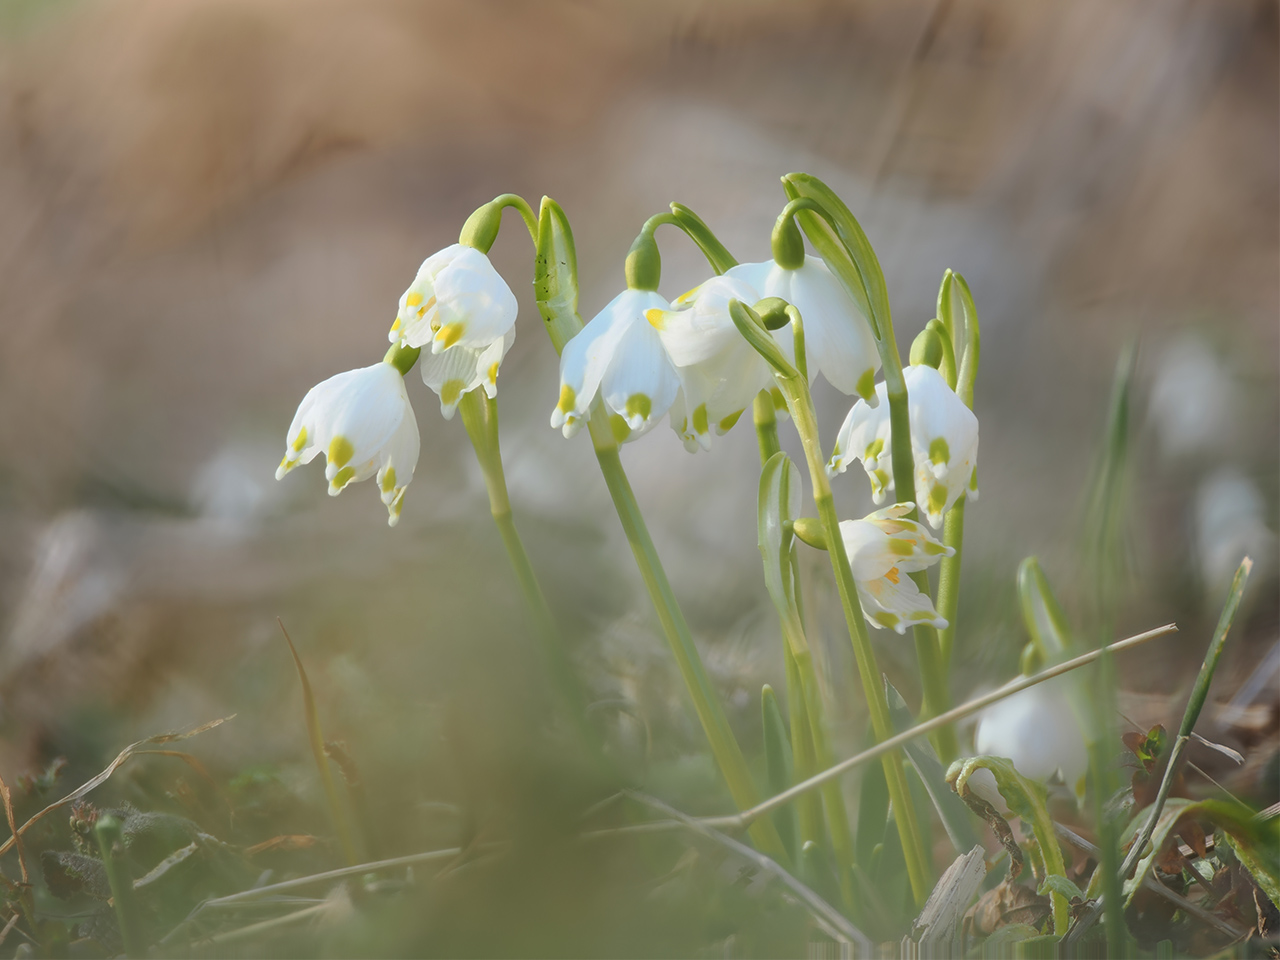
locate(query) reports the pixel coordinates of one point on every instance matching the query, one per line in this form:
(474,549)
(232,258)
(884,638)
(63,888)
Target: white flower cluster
(646,358)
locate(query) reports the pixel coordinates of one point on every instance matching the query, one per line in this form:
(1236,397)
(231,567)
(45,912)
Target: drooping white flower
(456,298)
(459,370)
(944,443)
(619,355)
(362,421)
(460,305)
(838,340)
(883,548)
(720,373)
(1039,731)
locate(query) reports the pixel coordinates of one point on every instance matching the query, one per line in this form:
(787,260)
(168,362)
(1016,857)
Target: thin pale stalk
(724,746)
(480,417)
(918,869)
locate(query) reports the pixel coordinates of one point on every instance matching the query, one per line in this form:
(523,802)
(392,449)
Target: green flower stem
(801,405)
(933,679)
(949,582)
(555,286)
(706,703)
(966,372)
(480,417)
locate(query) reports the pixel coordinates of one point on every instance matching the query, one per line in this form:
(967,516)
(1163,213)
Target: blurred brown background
(210,205)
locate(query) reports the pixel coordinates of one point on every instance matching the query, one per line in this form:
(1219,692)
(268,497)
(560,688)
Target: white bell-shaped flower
(883,548)
(362,421)
(457,298)
(619,355)
(1039,731)
(720,373)
(459,370)
(838,340)
(944,443)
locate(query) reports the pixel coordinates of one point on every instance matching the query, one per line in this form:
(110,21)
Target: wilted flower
(944,443)
(1038,730)
(720,373)
(620,355)
(460,305)
(883,548)
(363,423)
(838,340)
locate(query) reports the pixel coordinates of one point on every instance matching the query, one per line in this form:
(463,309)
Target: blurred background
(209,206)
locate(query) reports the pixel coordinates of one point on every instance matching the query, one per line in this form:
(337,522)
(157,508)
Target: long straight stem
(929,659)
(480,417)
(949,581)
(904,814)
(715,724)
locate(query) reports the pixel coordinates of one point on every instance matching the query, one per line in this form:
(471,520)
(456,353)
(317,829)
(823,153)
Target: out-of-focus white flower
(457,298)
(944,443)
(620,355)
(362,421)
(460,305)
(883,548)
(1038,730)
(1193,400)
(838,340)
(1230,524)
(720,373)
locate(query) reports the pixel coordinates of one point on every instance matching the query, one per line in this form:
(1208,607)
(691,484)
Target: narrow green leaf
(1043,615)
(920,754)
(844,246)
(873,811)
(778,765)
(555,278)
(778,504)
(1056,883)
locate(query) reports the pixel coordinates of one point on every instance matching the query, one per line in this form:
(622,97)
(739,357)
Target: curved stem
(918,868)
(480,417)
(526,212)
(766,421)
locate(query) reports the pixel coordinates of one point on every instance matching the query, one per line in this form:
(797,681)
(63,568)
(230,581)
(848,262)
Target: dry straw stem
(951,716)
(102,777)
(316,738)
(832,922)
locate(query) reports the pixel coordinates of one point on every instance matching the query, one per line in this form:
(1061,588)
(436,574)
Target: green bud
(555,277)
(926,349)
(402,358)
(481,228)
(644,263)
(773,312)
(787,242)
(809,530)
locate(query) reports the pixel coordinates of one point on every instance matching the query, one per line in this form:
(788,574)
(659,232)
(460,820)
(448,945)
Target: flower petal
(640,382)
(586,357)
(897,605)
